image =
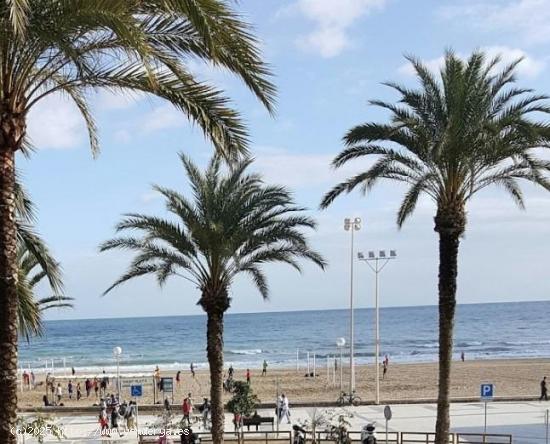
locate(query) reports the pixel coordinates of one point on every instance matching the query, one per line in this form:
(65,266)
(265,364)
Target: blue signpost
(136,390)
(487,392)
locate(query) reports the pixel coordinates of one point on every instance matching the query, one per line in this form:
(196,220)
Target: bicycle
(351,399)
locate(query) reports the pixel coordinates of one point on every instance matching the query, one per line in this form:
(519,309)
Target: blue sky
(329,57)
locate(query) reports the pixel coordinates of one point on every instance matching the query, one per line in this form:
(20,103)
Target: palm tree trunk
(448,253)
(8,296)
(214,348)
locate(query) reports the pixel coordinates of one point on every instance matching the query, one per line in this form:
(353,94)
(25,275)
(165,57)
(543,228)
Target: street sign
(136,390)
(143,381)
(167,384)
(487,392)
(387,413)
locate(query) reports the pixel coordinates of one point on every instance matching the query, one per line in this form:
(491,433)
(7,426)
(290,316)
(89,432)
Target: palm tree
(31,273)
(72,47)
(457,134)
(233,225)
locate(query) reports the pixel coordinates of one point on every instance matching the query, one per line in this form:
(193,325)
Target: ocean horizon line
(309,310)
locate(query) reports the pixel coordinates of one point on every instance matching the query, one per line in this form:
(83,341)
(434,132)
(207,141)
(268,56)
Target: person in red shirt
(248,376)
(187,407)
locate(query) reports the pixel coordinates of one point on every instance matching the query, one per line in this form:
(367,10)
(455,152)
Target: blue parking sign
(136,390)
(487,392)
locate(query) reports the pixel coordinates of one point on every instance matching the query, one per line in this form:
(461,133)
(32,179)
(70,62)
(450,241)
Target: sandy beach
(519,377)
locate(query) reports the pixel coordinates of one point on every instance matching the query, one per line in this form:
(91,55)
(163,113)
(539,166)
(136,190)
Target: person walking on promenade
(70,389)
(543,390)
(187,407)
(78,391)
(264,368)
(285,407)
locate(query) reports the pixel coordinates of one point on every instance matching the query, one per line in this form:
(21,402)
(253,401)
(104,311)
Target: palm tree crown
(31,273)
(453,137)
(74,46)
(234,224)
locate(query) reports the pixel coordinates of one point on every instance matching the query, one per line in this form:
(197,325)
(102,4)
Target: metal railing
(355,436)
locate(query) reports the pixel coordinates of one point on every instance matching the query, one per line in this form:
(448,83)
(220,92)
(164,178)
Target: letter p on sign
(487,392)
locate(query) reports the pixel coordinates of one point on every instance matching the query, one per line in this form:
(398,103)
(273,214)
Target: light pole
(377,262)
(351,226)
(117,351)
(341,343)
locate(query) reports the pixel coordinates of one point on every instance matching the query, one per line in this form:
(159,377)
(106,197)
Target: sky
(329,58)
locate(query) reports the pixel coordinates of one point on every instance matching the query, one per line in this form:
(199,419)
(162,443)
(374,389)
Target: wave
(469,344)
(255,351)
(540,342)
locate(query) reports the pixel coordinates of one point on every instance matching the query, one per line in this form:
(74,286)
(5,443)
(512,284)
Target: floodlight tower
(376,263)
(351,225)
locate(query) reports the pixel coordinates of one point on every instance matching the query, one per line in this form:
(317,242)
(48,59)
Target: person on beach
(33,379)
(248,376)
(70,389)
(157,376)
(73,371)
(87,387)
(178,379)
(462,357)
(264,368)
(25,378)
(78,392)
(285,408)
(192,368)
(543,390)
(59,392)
(385,369)
(230,371)
(103,386)
(96,387)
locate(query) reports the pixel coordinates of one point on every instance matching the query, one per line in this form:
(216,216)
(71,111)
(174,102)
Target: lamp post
(351,226)
(341,343)
(376,263)
(117,351)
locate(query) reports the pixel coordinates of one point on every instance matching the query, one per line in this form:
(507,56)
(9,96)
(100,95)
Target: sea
(408,334)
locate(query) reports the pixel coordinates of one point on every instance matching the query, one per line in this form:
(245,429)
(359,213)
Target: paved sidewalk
(524,420)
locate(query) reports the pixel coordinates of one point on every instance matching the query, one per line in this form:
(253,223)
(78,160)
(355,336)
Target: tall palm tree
(232,225)
(31,273)
(460,132)
(72,47)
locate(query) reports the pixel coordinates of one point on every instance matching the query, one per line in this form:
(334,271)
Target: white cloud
(332,20)
(122,136)
(301,170)
(529,66)
(526,19)
(56,123)
(163,117)
(107,100)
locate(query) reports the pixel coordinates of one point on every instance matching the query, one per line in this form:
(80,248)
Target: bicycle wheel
(356,401)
